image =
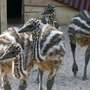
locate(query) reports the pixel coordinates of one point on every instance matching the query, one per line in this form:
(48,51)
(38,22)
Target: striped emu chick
(49,16)
(12,47)
(8,54)
(7,57)
(47,49)
(24,40)
(79,32)
(80,27)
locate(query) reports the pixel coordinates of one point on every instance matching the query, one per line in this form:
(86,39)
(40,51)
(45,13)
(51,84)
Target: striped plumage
(48,47)
(14,65)
(81,23)
(12,36)
(49,16)
(80,27)
(51,42)
(50,19)
(49,39)
(79,32)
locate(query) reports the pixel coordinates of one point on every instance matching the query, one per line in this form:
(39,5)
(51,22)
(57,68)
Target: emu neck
(36,46)
(35,37)
(34,50)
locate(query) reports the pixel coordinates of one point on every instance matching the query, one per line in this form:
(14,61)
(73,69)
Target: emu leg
(1,83)
(73,47)
(23,85)
(41,81)
(87,56)
(50,82)
(6,84)
(37,78)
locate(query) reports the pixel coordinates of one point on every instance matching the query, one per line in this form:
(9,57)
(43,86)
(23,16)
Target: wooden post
(22,12)
(0,17)
(3,15)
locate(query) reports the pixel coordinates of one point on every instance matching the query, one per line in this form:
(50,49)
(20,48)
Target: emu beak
(22,29)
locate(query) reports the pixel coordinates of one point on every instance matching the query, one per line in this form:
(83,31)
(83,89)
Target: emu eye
(13,52)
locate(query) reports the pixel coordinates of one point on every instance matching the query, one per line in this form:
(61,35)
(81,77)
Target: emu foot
(75,69)
(37,81)
(23,85)
(50,83)
(40,88)
(7,86)
(84,78)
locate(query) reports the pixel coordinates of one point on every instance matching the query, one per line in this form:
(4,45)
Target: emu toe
(75,69)
(23,85)
(84,78)
(7,86)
